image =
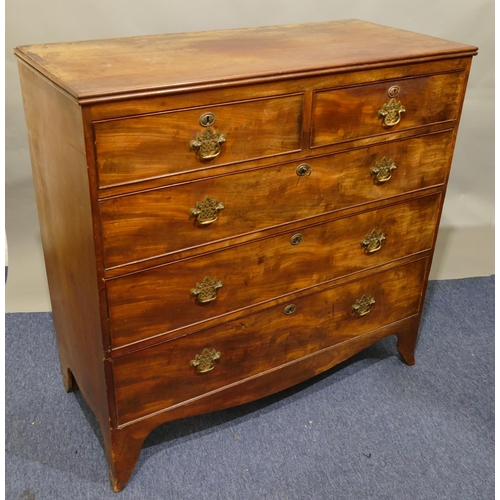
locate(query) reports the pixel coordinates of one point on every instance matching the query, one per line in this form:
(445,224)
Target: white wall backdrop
(466,242)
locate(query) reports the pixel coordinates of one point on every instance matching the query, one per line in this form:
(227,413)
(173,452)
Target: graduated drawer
(163,222)
(188,292)
(360,111)
(145,147)
(159,377)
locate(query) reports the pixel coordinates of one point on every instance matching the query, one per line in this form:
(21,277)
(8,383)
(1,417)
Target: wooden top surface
(119,67)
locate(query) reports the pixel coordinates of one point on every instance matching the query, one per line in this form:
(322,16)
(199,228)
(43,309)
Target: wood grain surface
(202,96)
(110,124)
(264,269)
(151,146)
(352,113)
(161,376)
(59,164)
(129,438)
(123,66)
(160,219)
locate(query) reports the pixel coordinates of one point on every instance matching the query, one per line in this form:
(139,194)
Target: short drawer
(157,145)
(350,113)
(170,219)
(159,377)
(188,292)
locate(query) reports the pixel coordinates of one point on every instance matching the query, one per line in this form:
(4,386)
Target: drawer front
(175,218)
(346,114)
(159,377)
(147,147)
(188,292)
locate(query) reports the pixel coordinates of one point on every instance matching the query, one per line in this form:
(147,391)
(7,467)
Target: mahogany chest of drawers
(226,214)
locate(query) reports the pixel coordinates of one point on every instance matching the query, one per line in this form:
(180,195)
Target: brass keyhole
(290,309)
(296,239)
(207,119)
(393,91)
(303,169)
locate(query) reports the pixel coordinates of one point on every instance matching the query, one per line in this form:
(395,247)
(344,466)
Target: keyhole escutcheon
(207,119)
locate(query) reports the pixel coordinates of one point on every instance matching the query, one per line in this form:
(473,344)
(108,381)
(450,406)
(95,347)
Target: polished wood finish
(125,66)
(110,125)
(307,86)
(159,377)
(334,182)
(65,214)
(146,147)
(252,275)
(129,438)
(352,113)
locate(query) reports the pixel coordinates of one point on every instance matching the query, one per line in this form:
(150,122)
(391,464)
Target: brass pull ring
(373,241)
(391,112)
(363,305)
(382,171)
(208,144)
(206,291)
(207,210)
(205,361)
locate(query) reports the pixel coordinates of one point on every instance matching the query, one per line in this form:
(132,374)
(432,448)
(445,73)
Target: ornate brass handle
(205,361)
(373,241)
(207,210)
(382,171)
(362,305)
(206,291)
(208,144)
(391,112)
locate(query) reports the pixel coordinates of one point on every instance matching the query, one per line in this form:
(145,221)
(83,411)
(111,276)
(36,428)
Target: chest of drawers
(227,214)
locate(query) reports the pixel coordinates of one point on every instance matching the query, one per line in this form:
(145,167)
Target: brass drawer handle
(362,305)
(373,241)
(205,361)
(206,291)
(382,171)
(208,144)
(391,112)
(207,210)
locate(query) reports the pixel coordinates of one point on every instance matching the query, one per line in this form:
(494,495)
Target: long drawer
(144,147)
(159,377)
(184,216)
(188,292)
(356,112)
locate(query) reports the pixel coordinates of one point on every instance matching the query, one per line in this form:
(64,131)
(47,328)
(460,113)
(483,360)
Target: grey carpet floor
(371,428)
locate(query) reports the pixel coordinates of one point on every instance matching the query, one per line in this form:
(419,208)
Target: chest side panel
(58,156)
